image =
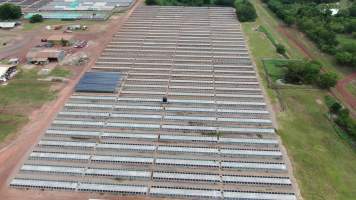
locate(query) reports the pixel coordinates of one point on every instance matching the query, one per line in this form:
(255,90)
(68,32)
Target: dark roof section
(99,82)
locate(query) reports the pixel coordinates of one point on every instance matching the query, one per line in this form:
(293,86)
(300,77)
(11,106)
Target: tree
(332,104)
(302,72)
(10,11)
(344,58)
(224,2)
(352,10)
(151,2)
(327,80)
(245,11)
(36,18)
(280,49)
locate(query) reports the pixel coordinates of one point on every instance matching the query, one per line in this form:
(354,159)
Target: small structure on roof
(61,39)
(7,25)
(7,72)
(44,56)
(99,82)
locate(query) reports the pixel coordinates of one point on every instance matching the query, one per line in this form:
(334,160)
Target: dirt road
(12,156)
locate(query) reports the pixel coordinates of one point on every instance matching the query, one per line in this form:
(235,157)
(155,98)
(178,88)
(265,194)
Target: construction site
(185,117)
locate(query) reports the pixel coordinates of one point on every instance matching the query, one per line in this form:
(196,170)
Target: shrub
(36,18)
(10,11)
(332,104)
(344,57)
(280,49)
(327,80)
(245,11)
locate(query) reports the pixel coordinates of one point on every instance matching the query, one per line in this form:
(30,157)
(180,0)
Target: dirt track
(341,88)
(12,156)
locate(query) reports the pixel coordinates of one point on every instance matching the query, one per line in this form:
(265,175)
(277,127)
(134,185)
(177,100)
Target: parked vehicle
(81,44)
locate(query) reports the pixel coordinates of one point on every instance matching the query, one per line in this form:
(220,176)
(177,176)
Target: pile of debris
(76,59)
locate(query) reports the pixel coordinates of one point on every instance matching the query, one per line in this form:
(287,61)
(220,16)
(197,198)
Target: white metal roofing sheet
(127,147)
(129,135)
(122,159)
(209,163)
(251,165)
(245,140)
(60,156)
(258,196)
(85,105)
(95,114)
(114,172)
(78,123)
(79,133)
(129,125)
(136,116)
(43,183)
(250,152)
(246,130)
(259,180)
(188,138)
(58,169)
(112,188)
(93,97)
(186,176)
(188,149)
(67,143)
(185,192)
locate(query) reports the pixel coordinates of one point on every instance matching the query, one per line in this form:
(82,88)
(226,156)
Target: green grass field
(60,72)
(324,164)
(20,96)
(274,68)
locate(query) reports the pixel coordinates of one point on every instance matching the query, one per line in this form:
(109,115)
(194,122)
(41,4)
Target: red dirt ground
(341,88)
(13,155)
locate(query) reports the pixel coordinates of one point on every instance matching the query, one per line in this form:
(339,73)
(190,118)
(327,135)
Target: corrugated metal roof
(131,147)
(255,179)
(188,138)
(186,176)
(208,163)
(59,156)
(73,133)
(67,144)
(129,135)
(113,188)
(185,192)
(122,159)
(98,82)
(257,196)
(43,183)
(251,165)
(53,169)
(114,172)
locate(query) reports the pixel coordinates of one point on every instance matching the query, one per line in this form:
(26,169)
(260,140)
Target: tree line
(316,20)
(244,9)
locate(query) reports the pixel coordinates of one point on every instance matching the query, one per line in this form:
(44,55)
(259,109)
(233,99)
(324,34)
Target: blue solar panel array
(100,82)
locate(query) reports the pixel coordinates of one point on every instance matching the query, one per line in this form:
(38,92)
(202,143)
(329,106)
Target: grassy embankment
(324,164)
